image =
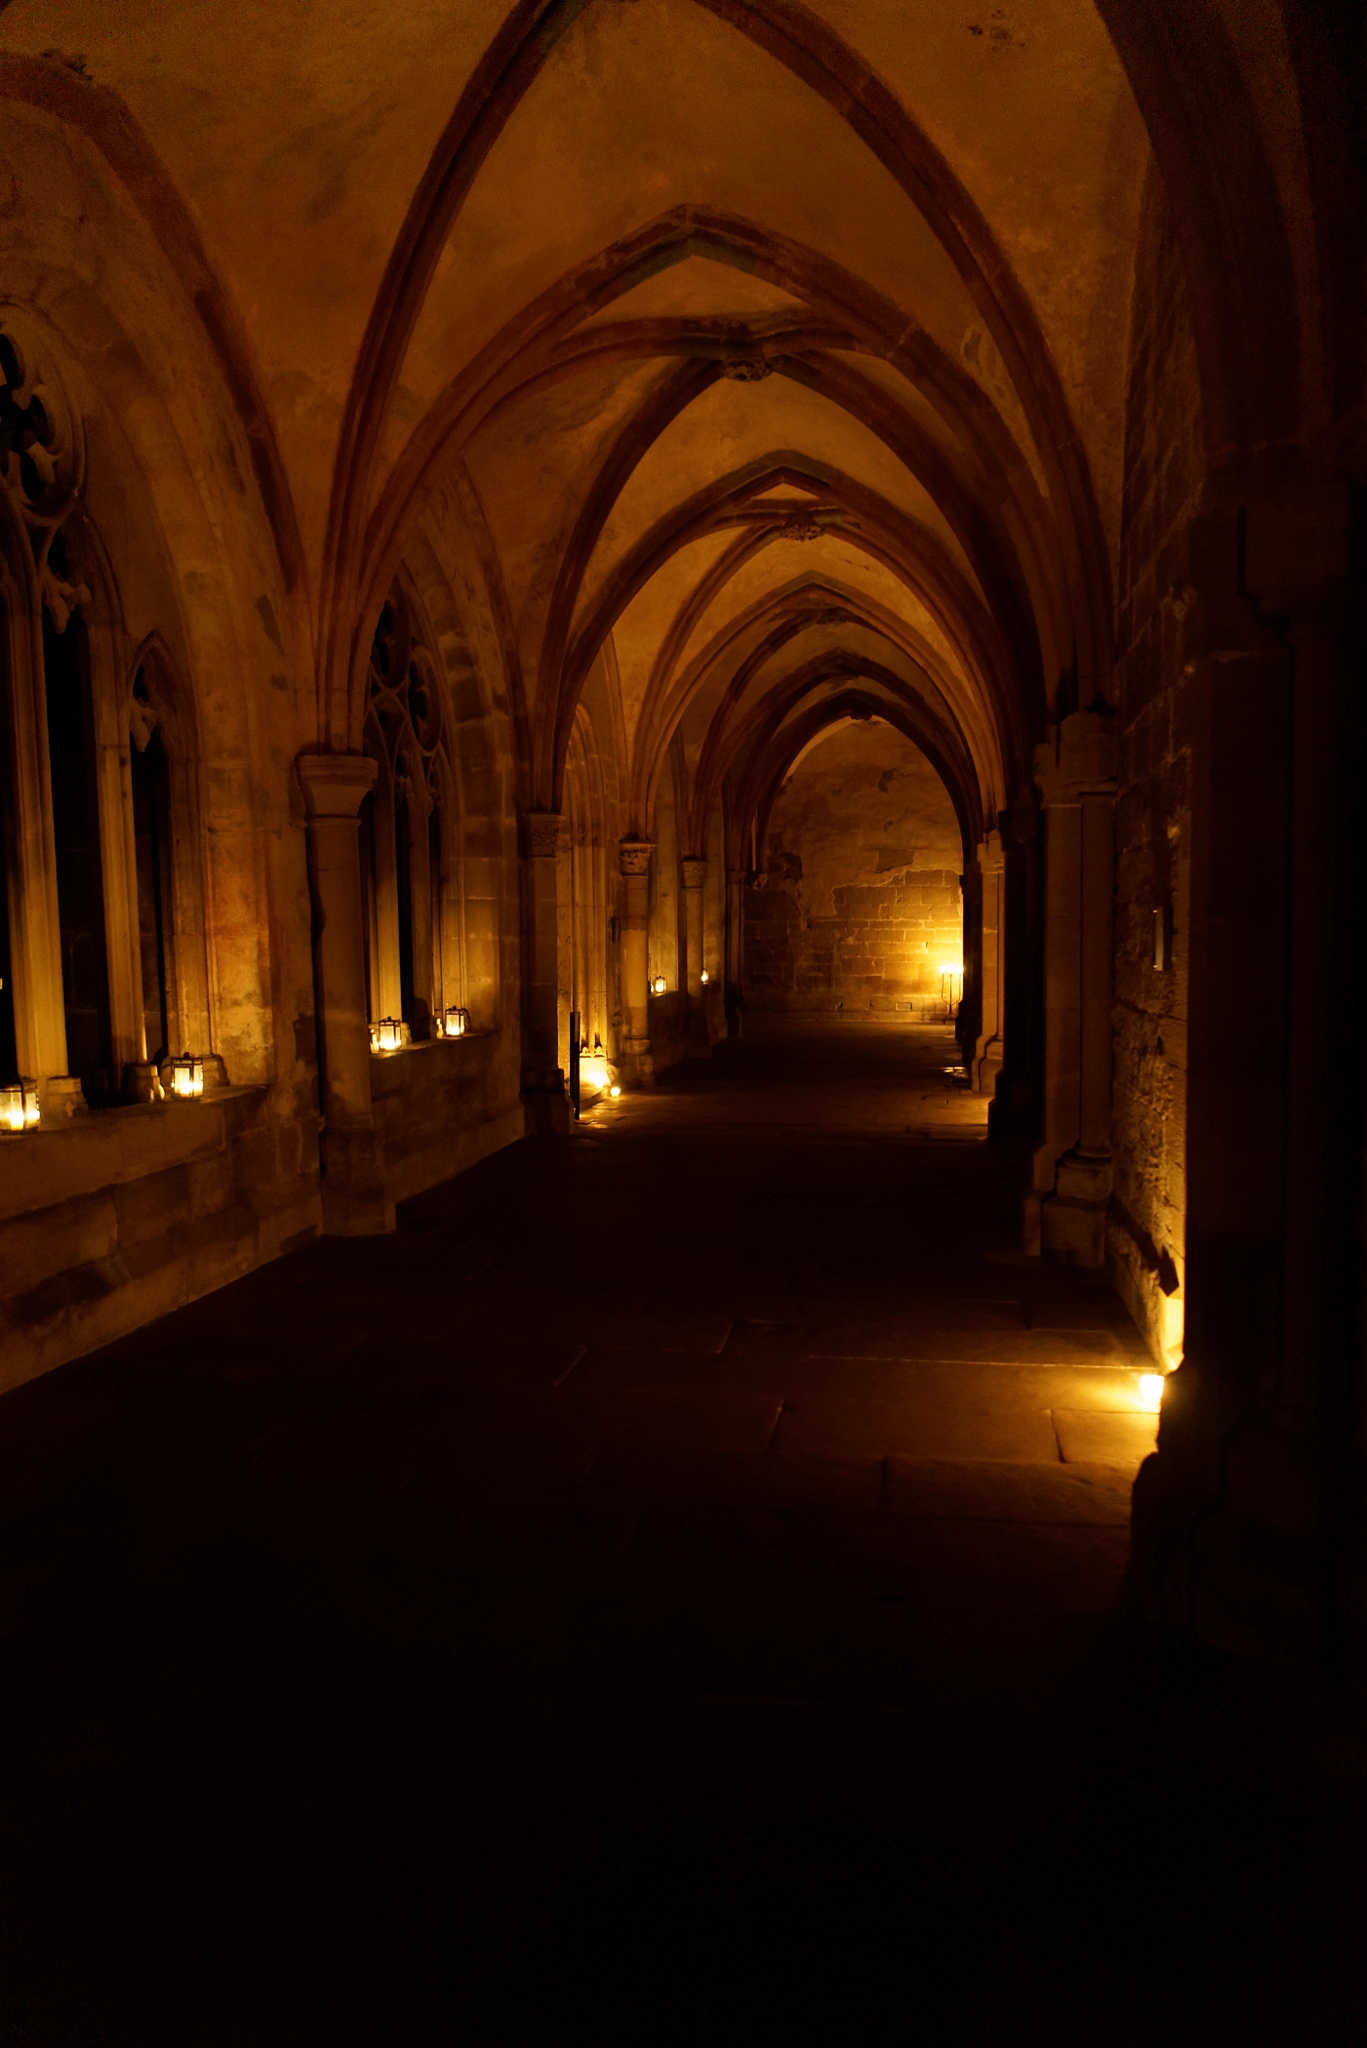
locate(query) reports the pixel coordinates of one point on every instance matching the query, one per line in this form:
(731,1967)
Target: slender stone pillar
(1065,1214)
(735,946)
(987,1056)
(543,1078)
(355,1200)
(694,868)
(638,1068)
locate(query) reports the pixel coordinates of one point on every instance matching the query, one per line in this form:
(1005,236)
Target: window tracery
(117,980)
(409,836)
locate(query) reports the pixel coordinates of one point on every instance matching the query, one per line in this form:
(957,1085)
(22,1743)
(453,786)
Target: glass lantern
(186,1077)
(387,1035)
(18,1105)
(455,1021)
(658,985)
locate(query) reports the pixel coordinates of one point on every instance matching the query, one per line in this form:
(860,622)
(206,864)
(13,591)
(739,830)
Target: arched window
(9,1045)
(150,776)
(76,843)
(111,815)
(412,963)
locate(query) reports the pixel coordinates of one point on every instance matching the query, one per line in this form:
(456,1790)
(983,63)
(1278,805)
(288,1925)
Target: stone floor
(669,1591)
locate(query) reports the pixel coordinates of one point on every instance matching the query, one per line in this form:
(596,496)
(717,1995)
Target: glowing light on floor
(1151,1389)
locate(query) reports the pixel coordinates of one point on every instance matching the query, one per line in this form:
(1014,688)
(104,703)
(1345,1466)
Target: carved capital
(334,784)
(634,856)
(694,866)
(801,529)
(1082,760)
(541,833)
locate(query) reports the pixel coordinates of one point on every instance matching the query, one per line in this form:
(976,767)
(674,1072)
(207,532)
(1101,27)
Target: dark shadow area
(651,1595)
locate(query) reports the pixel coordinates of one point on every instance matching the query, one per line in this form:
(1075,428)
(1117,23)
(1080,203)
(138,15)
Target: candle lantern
(455,1021)
(186,1075)
(658,985)
(704,977)
(387,1035)
(18,1105)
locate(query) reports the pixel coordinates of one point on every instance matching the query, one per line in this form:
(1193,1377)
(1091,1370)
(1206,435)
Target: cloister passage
(733,630)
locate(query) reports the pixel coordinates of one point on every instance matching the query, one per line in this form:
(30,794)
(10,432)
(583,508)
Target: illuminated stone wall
(861,904)
(1164,469)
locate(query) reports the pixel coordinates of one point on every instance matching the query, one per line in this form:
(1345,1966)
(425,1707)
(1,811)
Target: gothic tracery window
(412,956)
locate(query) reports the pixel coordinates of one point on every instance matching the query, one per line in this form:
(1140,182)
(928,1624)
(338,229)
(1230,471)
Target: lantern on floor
(186,1075)
(614,1091)
(19,1105)
(658,985)
(455,1021)
(387,1035)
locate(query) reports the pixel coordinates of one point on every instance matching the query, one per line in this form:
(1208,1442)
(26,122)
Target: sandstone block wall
(860,905)
(1164,470)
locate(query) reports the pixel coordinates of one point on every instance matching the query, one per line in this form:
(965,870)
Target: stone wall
(1164,470)
(860,905)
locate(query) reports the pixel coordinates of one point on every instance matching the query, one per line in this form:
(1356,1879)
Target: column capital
(541,833)
(634,856)
(334,785)
(1080,761)
(991,854)
(694,866)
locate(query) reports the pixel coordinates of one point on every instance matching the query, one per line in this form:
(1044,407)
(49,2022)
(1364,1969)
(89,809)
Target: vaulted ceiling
(776,352)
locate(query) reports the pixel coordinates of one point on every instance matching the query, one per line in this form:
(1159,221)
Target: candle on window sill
(387,1035)
(18,1105)
(186,1075)
(455,1021)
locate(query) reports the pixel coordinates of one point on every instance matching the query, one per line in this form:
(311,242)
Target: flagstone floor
(670,1590)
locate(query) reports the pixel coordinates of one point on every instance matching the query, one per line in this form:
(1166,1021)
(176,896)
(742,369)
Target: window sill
(79,1155)
(421,1045)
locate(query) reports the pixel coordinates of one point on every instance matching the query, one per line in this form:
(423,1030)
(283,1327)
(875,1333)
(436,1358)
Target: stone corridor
(670,1590)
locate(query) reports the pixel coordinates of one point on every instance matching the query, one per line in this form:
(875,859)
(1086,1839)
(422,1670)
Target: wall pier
(543,1079)
(637,1065)
(355,1201)
(1065,1211)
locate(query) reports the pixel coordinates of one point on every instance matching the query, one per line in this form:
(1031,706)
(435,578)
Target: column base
(1068,1222)
(1229,1537)
(548,1111)
(355,1200)
(987,1064)
(637,1063)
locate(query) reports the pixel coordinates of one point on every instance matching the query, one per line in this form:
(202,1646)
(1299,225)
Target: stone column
(637,1066)
(735,945)
(694,869)
(543,1078)
(355,1200)
(1245,1520)
(1065,1214)
(987,1056)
